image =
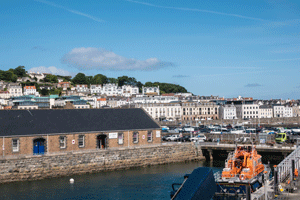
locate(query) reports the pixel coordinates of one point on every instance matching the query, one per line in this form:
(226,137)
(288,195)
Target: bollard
(248,192)
(275,180)
(293,170)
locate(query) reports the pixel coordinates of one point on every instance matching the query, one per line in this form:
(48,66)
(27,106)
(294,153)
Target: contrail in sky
(196,10)
(70,10)
(238,73)
(275,60)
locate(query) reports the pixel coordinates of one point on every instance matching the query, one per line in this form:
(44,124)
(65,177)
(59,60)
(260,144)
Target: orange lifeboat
(244,163)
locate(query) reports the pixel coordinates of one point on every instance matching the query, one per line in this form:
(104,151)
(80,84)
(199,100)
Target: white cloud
(93,58)
(51,69)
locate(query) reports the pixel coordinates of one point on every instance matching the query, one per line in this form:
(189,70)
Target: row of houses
(15,89)
(110,89)
(166,106)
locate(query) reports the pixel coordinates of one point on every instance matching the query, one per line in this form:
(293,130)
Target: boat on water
(243,168)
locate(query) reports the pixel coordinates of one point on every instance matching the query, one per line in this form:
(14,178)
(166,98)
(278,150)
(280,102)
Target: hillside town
(160,106)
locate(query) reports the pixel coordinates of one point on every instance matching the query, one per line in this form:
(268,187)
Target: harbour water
(151,182)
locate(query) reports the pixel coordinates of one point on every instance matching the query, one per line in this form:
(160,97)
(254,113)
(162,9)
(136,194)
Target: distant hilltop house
(112,89)
(37,75)
(4,94)
(150,90)
(64,85)
(25,79)
(37,132)
(30,90)
(82,89)
(14,90)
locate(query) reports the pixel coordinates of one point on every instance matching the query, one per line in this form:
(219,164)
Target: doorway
(101,141)
(39,146)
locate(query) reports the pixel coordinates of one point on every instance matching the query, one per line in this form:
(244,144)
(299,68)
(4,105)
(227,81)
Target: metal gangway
(283,173)
(288,165)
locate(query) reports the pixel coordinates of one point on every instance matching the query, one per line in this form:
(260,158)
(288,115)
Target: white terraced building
(247,111)
(227,112)
(282,111)
(82,88)
(153,99)
(150,90)
(129,90)
(15,90)
(96,89)
(265,111)
(158,111)
(30,90)
(111,89)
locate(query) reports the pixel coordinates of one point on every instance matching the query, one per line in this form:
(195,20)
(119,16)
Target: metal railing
(285,167)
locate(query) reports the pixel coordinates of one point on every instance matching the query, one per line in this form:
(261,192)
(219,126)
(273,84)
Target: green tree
(125,80)
(8,76)
(112,80)
(167,87)
(99,79)
(80,78)
(89,79)
(65,78)
(20,71)
(140,86)
(51,78)
(44,92)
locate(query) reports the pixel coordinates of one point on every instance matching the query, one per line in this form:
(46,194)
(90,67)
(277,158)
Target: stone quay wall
(66,164)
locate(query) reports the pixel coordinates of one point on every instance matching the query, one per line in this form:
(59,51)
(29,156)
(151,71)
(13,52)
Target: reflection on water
(152,182)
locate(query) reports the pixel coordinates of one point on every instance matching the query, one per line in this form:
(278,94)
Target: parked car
(199,138)
(172,138)
(185,138)
(164,138)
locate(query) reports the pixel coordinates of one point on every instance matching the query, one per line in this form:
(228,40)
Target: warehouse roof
(31,122)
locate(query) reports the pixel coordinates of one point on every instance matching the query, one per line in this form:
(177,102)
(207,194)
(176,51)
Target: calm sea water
(152,182)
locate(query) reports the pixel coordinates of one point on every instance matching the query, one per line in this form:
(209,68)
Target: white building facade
(15,90)
(162,111)
(227,112)
(150,90)
(282,111)
(30,90)
(96,89)
(265,111)
(129,90)
(111,89)
(142,99)
(247,111)
(82,89)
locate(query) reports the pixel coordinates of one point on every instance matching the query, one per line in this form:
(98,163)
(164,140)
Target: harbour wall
(81,162)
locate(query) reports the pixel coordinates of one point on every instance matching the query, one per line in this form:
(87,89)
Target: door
(39,146)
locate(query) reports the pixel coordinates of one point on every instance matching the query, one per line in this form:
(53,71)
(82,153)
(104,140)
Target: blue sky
(225,48)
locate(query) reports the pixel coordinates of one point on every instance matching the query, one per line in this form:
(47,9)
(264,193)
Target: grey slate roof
(25,122)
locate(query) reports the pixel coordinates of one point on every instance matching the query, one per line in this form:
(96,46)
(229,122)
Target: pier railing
(285,168)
